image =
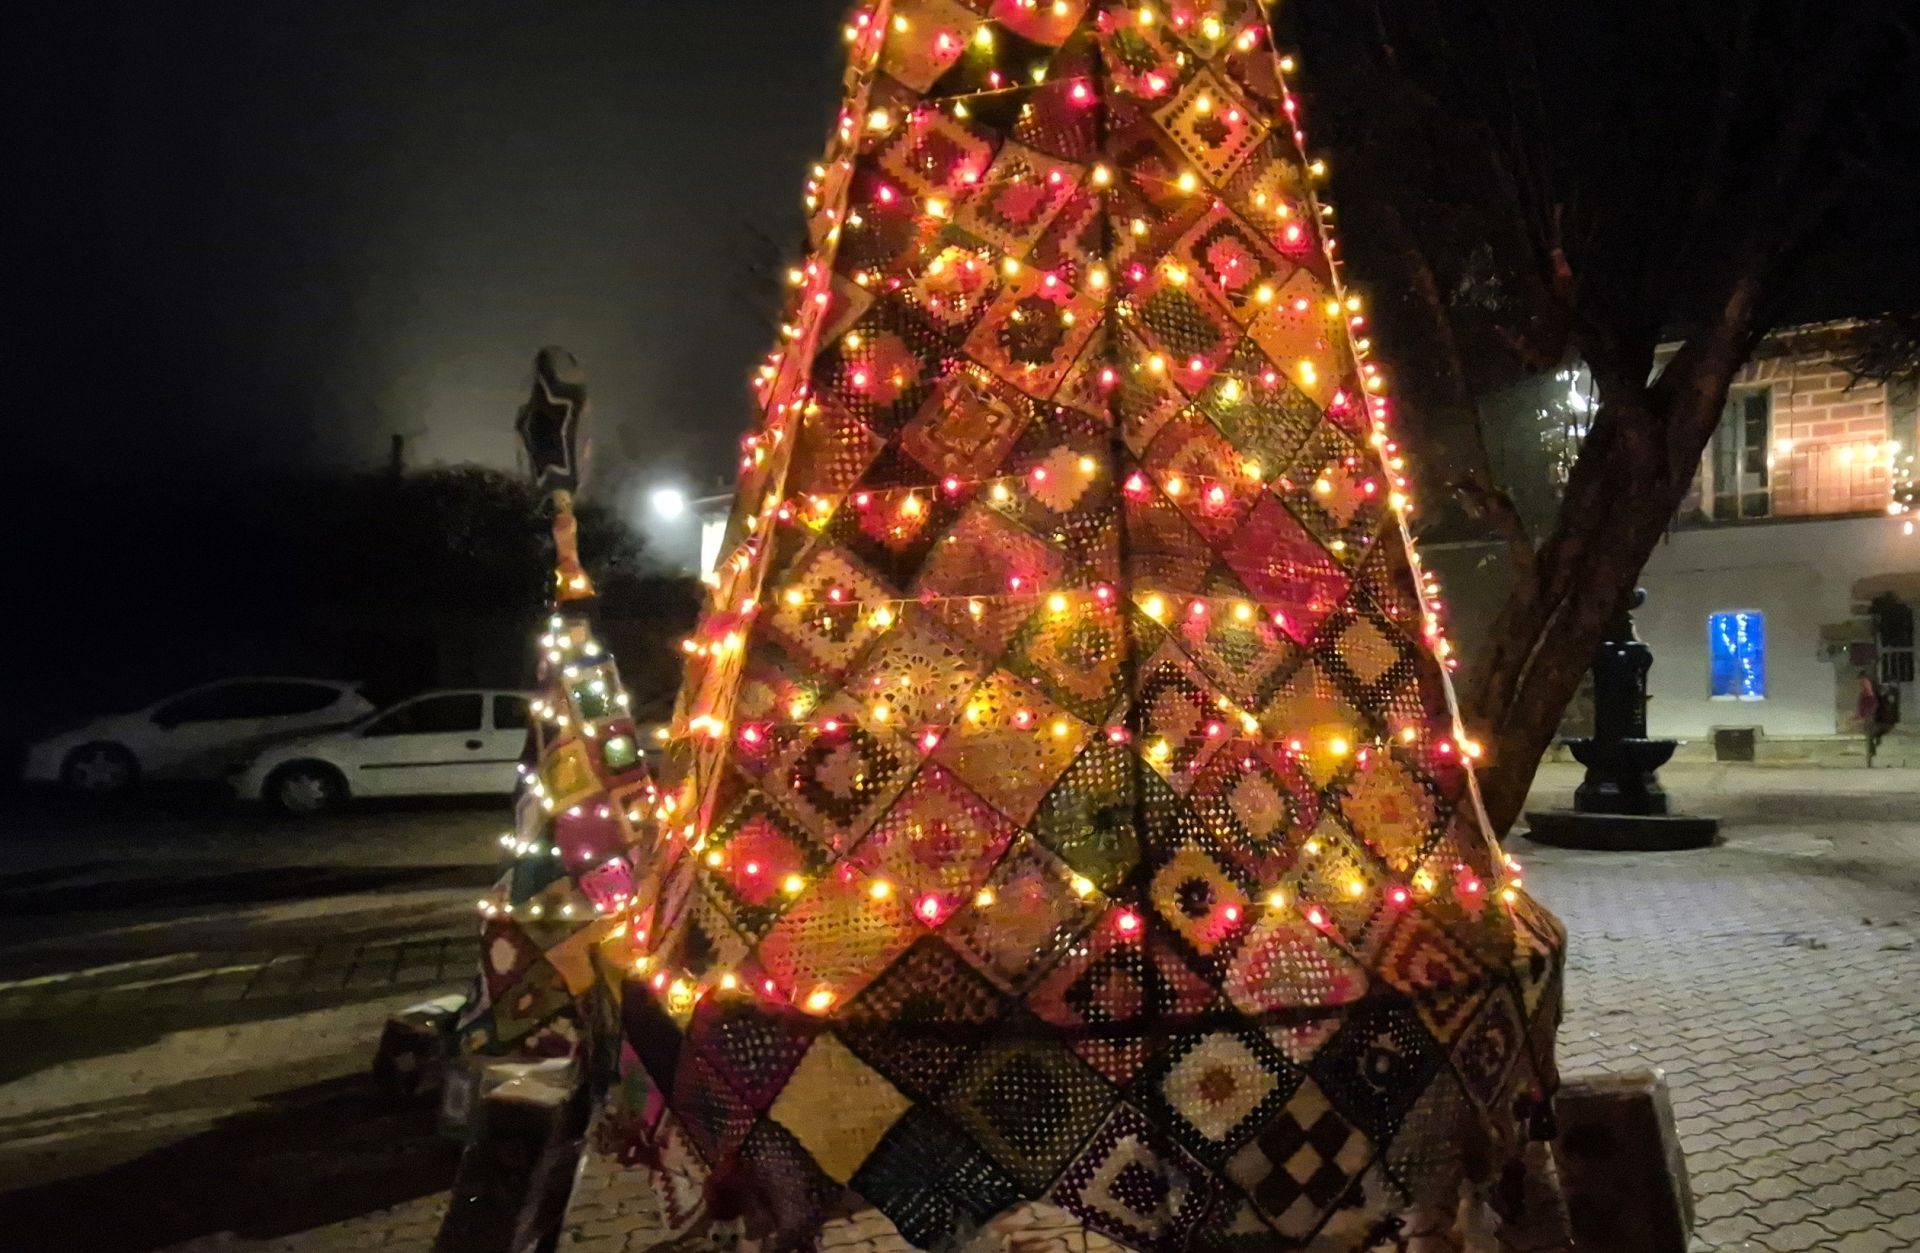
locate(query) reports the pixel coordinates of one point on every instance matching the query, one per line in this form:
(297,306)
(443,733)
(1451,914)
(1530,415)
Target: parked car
(198,734)
(464,743)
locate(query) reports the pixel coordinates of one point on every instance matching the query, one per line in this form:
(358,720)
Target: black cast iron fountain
(1621,805)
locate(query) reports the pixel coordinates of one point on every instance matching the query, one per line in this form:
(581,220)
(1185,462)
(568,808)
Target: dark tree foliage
(1888,349)
(398,580)
(465,537)
(1535,183)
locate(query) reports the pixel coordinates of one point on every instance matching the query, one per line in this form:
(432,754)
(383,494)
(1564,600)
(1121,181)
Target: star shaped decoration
(549,422)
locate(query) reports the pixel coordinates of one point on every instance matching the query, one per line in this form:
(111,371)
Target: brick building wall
(1830,444)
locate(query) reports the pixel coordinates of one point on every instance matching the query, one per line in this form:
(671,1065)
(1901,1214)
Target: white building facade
(1790,571)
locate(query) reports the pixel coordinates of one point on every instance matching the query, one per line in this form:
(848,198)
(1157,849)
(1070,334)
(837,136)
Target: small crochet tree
(585,787)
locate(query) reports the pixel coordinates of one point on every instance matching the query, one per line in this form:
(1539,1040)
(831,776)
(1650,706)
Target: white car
(198,734)
(465,743)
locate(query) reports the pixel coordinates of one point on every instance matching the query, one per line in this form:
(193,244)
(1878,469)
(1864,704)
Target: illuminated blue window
(1737,654)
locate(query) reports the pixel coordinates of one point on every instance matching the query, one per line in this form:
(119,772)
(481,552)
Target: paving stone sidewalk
(1776,981)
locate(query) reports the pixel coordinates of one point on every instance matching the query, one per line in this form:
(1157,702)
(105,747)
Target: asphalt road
(190,992)
(87,884)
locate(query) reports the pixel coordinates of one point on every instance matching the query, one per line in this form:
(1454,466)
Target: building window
(1742,451)
(1737,653)
(1894,634)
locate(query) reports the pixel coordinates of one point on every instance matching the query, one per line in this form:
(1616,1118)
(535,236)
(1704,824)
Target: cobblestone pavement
(1775,980)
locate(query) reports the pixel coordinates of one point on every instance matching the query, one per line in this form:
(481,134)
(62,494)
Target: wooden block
(1622,1172)
(511,1187)
(411,1061)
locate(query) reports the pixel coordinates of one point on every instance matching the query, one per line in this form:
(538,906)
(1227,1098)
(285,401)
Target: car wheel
(100,770)
(306,787)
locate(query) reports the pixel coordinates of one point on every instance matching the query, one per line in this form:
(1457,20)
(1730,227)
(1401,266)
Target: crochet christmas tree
(1071,822)
(585,784)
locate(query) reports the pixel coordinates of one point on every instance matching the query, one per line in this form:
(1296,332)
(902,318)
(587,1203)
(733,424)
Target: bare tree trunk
(1542,642)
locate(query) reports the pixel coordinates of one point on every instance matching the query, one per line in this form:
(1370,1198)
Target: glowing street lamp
(668,502)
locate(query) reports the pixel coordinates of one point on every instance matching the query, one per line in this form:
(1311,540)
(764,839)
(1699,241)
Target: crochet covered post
(585,785)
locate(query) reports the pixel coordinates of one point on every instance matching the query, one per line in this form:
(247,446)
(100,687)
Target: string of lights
(790,397)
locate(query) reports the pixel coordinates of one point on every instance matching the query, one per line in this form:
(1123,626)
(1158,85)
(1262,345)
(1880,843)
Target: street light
(669,502)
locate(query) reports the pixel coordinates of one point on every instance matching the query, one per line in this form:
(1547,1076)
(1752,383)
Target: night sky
(271,235)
